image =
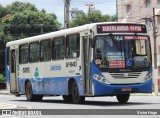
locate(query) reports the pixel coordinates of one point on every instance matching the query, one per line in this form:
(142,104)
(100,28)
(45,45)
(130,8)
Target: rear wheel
(77,99)
(67,98)
(29,93)
(123,98)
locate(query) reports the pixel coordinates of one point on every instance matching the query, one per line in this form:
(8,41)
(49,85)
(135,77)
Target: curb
(11,106)
(7,106)
(5,92)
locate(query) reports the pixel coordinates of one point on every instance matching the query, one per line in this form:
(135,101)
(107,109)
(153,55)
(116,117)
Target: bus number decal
(71,64)
(26,70)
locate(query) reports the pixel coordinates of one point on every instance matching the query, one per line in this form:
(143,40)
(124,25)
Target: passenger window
(12,57)
(23,53)
(58,48)
(34,52)
(72,46)
(45,50)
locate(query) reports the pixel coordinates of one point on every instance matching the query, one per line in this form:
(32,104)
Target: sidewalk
(5,92)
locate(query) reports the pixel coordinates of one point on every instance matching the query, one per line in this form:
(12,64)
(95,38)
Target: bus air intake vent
(125,75)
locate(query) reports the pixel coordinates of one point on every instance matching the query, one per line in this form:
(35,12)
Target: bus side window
(12,56)
(45,50)
(72,46)
(58,48)
(34,52)
(23,53)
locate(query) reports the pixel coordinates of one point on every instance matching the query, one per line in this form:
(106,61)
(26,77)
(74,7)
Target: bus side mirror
(93,42)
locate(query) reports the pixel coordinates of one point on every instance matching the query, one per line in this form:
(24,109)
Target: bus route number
(118,38)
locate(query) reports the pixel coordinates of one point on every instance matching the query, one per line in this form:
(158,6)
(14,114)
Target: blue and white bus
(99,59)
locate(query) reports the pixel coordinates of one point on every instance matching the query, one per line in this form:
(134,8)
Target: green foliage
(2,78)
(92,17)
(25,20)
(20,6)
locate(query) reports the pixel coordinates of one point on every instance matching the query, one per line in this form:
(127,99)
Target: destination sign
(121,28)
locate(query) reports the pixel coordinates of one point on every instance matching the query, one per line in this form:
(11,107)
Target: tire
(76,98)
(123,98)
(29,93)
(67,98)
(38,97)
(17,95)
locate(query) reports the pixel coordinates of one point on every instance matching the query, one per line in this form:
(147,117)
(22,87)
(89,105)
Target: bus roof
(60,32)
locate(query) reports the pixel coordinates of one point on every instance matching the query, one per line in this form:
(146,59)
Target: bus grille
(125,75)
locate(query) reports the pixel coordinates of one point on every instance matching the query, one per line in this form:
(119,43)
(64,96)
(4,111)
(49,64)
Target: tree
(91,17)
(26,20)
(27,23)
(3,11)
(20,20)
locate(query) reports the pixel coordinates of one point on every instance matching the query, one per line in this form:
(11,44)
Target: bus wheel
(123,98)
(38,97)
(29,94)
(67,98)
(76,98)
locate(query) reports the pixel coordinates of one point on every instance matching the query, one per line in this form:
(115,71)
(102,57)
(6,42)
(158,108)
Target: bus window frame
(63,42)
(19,53)
(34,52)
(67,38)
(40,50)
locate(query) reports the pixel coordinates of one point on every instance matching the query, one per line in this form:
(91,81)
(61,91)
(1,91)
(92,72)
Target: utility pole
(66,13)
(155,72)
(41,25)
(117,10)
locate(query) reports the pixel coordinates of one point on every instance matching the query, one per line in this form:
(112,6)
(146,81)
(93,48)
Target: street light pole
(66,13)
(155,72)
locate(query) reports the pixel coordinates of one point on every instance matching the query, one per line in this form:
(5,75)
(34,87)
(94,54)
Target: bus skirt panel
(50,86)
(104,89)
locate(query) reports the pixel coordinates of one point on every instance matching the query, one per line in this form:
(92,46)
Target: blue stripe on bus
(52,86)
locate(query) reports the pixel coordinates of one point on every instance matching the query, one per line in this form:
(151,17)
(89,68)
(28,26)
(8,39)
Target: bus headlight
(100,79)
(148,77)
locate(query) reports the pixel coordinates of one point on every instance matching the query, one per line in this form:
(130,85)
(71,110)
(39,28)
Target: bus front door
(86,65)
(13,75)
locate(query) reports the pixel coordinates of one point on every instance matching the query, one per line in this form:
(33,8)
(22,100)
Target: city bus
(93,60)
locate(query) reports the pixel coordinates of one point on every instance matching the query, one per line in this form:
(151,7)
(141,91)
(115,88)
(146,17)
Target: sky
(57,6)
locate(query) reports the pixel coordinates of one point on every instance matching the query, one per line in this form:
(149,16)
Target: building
(75,11)
(141,11)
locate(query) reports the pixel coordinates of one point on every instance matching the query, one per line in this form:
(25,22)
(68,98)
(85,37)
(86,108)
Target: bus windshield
(122,51)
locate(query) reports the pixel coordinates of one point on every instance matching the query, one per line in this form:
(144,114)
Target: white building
(142,11)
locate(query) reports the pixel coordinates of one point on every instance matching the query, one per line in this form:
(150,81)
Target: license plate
(126,89)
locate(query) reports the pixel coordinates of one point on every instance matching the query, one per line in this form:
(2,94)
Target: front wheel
(76,98)
(123,98)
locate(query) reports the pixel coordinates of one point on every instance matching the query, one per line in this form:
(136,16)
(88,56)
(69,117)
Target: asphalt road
(135,102)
